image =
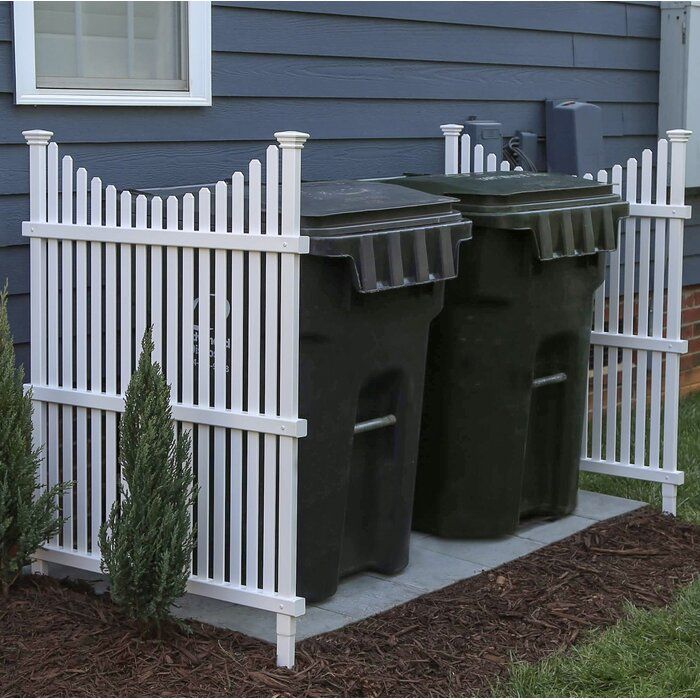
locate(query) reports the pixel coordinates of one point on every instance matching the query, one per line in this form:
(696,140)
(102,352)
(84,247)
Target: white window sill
(133,99)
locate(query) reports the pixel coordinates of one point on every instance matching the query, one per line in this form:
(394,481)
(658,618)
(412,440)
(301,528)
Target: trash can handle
(549,379)
(374,424)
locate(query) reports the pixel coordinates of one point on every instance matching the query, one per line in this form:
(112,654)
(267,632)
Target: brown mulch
(59,640)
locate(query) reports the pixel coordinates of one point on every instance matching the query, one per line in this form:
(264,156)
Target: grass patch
(647,654)
(688,461)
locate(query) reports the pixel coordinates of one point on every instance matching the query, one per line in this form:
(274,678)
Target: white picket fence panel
(103,267)
(635,378)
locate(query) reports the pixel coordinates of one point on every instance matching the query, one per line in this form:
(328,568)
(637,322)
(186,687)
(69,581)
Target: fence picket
(271,361)
(203,370)
(478,158)
(658,305)
(220,379)
(188,271)
(613,327)
(52,330)
(599,326)
(253,405)
(81,340)
(171,300)
(156,304)
(630,229)
(67,327)
(96,464)
(642,314)
(237,331)
(466,154)
(141,293)
(111,350)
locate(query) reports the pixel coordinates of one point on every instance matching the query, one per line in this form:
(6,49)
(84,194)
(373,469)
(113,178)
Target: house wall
(371,82)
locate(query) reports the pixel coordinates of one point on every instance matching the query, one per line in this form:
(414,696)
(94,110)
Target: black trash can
(508,356)
(370,287)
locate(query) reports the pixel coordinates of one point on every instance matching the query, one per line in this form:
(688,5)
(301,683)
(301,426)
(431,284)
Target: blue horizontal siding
(293,33)
(371,82)
(256,118)
(616,18)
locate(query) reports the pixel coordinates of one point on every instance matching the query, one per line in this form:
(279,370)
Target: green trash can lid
(340,207)
(568,216)
(394,236)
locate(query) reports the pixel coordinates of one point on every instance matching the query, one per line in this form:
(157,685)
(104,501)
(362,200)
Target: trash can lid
(568,216)
(516,191)
(394,236)
(339,207)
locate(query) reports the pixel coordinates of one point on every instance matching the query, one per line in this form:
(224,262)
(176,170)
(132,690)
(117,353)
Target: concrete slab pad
(430,571)
(599,506)
(363,595)
(255,623)
(488,553)
(547,532)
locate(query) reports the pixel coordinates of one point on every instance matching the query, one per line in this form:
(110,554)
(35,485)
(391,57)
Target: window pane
(111,45)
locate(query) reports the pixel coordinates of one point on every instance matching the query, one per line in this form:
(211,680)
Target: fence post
(291,143)
(451,133)
(38,142)
(678,139)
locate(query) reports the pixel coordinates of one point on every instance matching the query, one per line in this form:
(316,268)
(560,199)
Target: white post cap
(291,139)
(37,137)
(451,129)
(679,135)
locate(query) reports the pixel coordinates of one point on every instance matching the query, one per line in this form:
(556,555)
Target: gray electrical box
(574,137)
(487,133)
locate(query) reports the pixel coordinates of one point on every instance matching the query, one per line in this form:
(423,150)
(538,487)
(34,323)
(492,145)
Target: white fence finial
(37,137)
(451,129)
(291,139)
(451,133)
(680,135)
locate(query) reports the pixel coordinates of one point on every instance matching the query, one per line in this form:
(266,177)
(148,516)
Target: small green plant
(147,540)
(28,514)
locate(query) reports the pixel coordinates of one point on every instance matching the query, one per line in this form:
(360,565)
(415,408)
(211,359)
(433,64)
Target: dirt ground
(61,640)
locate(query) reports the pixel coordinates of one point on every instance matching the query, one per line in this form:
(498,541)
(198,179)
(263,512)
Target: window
(113,53)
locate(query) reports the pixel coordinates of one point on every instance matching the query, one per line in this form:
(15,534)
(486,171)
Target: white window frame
(199,68)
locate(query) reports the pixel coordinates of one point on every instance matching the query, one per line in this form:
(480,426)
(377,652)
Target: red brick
(687,362)
(691,315)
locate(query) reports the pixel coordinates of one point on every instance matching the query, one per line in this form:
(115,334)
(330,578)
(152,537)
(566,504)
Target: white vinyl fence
(224,304)
(633,410)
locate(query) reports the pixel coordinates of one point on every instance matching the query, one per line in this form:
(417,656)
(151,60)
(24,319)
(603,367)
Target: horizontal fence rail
(216,274)
(631,425)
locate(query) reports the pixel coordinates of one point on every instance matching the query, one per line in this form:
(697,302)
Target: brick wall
(690,331)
